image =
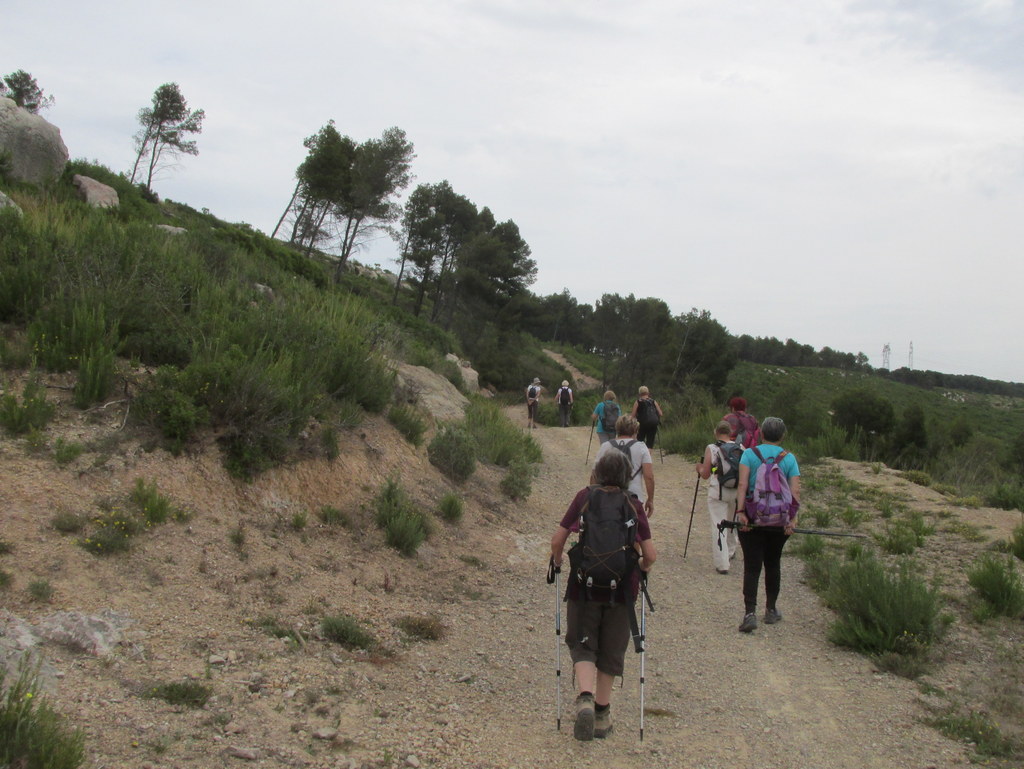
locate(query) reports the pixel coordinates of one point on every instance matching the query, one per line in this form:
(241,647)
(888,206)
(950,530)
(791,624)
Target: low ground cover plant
(345,631)
(32,734)
(997,582)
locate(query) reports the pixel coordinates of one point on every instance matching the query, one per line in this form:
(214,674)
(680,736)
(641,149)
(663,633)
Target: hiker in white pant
(721,498)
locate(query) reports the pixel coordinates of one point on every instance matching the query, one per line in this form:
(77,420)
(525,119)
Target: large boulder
(96,194)
(429,391)
(31,149)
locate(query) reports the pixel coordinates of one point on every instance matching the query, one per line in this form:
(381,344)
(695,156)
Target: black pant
(762,549)
(564,409)
(646,434)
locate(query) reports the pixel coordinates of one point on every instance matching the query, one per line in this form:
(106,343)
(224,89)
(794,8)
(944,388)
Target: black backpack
(604,556)
(532,392)
(647,412)
(565,396)
(727,468)
(626,448)
(611,416)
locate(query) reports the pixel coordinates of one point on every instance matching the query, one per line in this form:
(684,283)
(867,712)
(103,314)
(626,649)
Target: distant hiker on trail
(564,400)
(532,399)
(641,467)
(722,465)
(744,426)
(606,414)
(769,497)
(648,413)
(600,620)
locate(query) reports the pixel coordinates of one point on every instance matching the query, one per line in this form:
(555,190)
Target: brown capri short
(604,630)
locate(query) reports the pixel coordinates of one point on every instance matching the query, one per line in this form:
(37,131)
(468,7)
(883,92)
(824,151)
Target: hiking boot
(771,616)
(749,623)
(584,729)
(722,571)
(603,722)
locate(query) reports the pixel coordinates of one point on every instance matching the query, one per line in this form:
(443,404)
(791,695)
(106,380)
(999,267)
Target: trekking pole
(722,525)
(644,600)
(586,462)
(693,508)
(553,577)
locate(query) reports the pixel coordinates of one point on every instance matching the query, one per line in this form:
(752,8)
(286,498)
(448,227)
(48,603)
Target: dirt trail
(780,697)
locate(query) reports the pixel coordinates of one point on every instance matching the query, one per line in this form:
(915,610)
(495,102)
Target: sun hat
(565,383)
(536,380)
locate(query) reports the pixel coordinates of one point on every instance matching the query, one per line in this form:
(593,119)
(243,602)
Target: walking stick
(553,577)
(692,509)
(586,462)
(645,598)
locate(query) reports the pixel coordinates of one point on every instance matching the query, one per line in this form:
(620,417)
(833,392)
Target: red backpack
(748,433)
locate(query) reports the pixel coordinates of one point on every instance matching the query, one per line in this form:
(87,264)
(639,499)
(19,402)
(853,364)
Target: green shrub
(809,546)
(344,630)
(190,694)
(453,453)
(919,477)
(881,611)
(852,516)
(155,507)
(41,590)
(408,422)
(166,403)
(822,517)
(299,520)
(68,523)
(332,516)
(1007,496)
(404,526)
(6,548)
(999,584)
(66,329)
(899,538)
(518,480)
(32,734)
(32,413)
(95,376)
(977,729)
(1016,543)
(66,452)
(496,439)
(451,507)
(112,533)
(272,626)
(423,628)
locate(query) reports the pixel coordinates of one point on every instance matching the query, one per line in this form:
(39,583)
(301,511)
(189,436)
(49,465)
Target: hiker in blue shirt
(606,414)
(762,547)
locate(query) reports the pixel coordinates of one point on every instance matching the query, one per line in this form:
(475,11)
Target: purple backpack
(771,501)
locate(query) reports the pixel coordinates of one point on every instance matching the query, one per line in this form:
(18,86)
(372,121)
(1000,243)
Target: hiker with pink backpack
(768,501)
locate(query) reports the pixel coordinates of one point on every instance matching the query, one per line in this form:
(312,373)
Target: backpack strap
(627,449)
(758,454)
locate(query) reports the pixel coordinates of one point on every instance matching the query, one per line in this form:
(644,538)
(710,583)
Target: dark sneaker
(603,723)
(771,616)
(584,729)
(749,623)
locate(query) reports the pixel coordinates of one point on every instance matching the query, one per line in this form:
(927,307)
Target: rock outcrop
(96,194)
(31,148)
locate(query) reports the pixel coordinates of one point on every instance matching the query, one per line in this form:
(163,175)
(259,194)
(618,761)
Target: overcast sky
(847,174)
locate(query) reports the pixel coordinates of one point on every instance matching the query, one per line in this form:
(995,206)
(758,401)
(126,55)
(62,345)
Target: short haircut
(644,390)
(609,395)
(612,469)
(738,403)
(723,428)
(626,425)
(773,429)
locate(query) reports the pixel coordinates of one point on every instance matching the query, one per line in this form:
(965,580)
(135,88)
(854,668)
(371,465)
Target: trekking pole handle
(553,570)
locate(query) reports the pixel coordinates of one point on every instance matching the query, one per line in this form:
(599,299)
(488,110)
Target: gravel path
(780,697)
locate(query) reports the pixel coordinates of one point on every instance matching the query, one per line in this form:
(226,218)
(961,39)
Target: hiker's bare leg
(605,683)
(586,676)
